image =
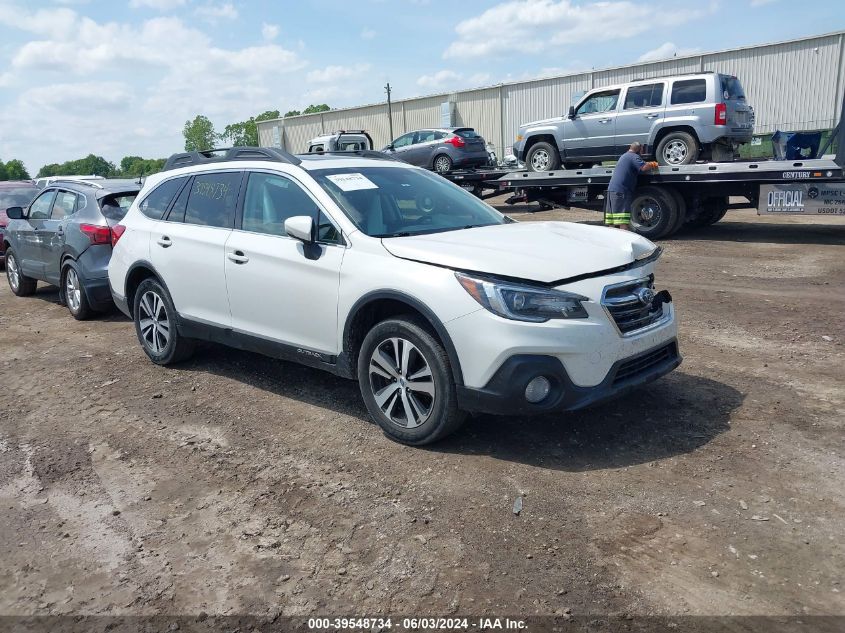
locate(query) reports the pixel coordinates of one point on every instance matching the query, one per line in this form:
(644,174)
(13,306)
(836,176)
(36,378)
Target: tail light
(455,141)
(721,114)
(116,231)
(96,234)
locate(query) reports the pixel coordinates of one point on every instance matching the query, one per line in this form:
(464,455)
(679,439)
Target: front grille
(625,306)
(641,364)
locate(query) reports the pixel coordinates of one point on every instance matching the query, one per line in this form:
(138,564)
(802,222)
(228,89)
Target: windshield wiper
(400,234)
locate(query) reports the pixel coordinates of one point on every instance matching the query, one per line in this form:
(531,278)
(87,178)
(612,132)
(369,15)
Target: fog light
(537,389)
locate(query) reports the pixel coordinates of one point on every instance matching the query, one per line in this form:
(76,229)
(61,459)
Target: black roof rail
(224,154)
(361,153)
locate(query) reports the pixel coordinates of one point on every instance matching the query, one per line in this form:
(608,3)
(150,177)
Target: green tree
(134,166)
(292,113)
(313,109)
(88,166)
(199,134)
(245,133)
(49,170)
(4,175)
(127,163)
(15,170)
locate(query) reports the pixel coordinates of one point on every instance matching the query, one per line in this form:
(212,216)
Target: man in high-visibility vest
(620,191)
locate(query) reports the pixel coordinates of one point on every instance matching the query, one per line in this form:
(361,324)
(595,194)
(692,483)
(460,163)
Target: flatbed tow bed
(686,195)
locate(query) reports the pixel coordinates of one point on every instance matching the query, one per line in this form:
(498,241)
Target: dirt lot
(236,484)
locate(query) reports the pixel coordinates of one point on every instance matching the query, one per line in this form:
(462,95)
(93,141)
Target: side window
(177,211)
(270,200)
(648,96)
(404,140)
(156,202)
(440,135)
(213,199)
(689,91)
(600,102)
(425,136)
(42,205)
(64,205)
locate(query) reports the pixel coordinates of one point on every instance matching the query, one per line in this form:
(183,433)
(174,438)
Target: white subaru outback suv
(376,270)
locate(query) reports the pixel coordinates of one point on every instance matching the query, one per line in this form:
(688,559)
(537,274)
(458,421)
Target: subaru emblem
(645,296)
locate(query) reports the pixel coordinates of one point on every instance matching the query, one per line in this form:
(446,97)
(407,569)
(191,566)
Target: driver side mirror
(571,112)
(14,213)
(301,227)
(389,147)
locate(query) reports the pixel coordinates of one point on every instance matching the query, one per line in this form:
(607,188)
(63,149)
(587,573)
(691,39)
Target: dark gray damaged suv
(64,237)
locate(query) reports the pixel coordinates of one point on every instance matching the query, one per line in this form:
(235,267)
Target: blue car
(64,238)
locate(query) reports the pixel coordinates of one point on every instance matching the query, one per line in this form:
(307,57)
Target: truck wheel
(20,284)
(682,211)
(406,382)
(542,157)
(654,212)
(712,210)
(677,148)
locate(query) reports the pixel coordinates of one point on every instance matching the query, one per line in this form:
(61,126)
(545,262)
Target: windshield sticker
(352,182)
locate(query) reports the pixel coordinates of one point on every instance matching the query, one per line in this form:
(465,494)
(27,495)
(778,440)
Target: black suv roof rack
(223,154)
(361,153)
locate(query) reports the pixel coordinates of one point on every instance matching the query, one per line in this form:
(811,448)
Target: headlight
(523,303)
(649,256)
(519,137)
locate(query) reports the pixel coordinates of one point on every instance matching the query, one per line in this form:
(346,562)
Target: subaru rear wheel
(155,325)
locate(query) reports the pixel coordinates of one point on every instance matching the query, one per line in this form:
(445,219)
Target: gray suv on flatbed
(678,119)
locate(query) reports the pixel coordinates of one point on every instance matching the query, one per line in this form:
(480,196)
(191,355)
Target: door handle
(164,241)
(238,257)
(651,116)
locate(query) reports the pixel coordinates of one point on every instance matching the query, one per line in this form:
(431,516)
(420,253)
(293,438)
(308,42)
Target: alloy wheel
(13,272)
(442,164)
(73,291)
(401,382)
(675,152)
(154,322)
(541,160)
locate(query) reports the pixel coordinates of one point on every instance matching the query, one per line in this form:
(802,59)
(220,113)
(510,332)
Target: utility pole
(389,110)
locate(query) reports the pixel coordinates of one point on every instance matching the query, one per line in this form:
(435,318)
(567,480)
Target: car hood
(556,119)
(535,251)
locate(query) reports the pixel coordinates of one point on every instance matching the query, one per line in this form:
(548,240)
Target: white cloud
(367,34)
(333,74)
(153,75)
(214,12)
(666,51)
(6,80)
(478,79)
(535,26)
(269,31)
(440,80)
(158,5)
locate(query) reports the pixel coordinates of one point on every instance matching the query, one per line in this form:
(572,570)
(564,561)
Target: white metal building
(793,85)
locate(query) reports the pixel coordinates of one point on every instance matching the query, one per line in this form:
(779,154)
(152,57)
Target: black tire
(535,161)
(442,164)
(407,414)
(712,210)
(677,148)
(654,212)
(20,284)
(160,339)
(681,215)
(73,293)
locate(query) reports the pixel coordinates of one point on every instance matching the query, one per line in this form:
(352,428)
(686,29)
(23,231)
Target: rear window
(689,91)
(467,132)
(114,207)
(731,88)
(17,196)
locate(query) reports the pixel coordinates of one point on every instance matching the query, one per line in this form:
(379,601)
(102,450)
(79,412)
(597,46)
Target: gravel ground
(237,484)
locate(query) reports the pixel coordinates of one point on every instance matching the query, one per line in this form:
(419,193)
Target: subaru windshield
(398,202)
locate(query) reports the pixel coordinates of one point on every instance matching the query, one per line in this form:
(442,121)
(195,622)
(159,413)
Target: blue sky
(121,77)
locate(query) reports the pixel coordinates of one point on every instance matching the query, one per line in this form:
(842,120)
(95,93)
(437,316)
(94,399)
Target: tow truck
(694,196)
